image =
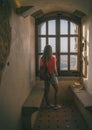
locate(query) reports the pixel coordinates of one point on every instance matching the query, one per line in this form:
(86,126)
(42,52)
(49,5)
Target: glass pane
(73,44)
(39,57)
(52,27)
(41,44)
(52,42)
(73,62)
(63,27)
(64,44)
(42,29)
(73,28)
(63,62)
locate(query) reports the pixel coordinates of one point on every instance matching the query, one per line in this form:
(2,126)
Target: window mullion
(68,45)
(58,43)
(46,32)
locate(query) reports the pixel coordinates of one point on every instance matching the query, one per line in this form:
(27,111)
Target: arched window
(64,36)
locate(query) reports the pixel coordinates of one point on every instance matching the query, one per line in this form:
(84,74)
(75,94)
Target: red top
(50,64)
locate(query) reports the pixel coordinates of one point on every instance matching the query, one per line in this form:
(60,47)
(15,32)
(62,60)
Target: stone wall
(5,33)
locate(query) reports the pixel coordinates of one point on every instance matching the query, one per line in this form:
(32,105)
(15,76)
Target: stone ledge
(84,97)
(31,107)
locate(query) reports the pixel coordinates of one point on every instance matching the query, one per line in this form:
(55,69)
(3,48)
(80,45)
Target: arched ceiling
(47,6)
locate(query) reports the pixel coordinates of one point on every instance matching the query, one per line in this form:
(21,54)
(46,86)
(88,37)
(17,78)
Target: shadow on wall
(5,33)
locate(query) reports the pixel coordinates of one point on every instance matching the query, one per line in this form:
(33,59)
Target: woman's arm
(55,68)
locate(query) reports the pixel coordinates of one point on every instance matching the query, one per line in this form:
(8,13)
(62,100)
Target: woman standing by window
(50,62)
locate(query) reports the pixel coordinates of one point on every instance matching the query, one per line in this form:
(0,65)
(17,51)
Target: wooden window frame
(70,18)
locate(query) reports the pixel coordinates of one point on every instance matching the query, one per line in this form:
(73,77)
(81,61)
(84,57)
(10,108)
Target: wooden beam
(22,9)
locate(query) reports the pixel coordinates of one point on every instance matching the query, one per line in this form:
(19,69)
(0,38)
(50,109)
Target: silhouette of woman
(50,60)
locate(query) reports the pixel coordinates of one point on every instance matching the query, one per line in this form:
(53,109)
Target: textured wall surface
(5,33)
(57,5)
(18,75)
(87,53)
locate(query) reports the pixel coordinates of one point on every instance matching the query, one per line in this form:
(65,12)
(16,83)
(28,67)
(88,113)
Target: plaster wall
(18,76)
(85,53)
(87,23)
(90,55)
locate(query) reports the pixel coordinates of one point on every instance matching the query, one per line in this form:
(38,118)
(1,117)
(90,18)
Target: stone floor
(66,118)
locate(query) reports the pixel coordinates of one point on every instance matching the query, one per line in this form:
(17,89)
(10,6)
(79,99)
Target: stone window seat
(84,97)
(31,107)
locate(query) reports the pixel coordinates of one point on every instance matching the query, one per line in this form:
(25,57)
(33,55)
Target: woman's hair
(47,54)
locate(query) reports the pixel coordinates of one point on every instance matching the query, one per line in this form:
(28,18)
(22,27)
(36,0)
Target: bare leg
(56,93)
(56,97)
(46,92)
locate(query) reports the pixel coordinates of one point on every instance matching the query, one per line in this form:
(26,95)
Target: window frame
(58,53)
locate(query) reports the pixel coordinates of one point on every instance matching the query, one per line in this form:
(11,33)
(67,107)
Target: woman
(50,62)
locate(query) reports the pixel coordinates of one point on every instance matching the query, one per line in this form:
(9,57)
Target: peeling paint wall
(87,23)
(85,45)
(90,55)
(18,75)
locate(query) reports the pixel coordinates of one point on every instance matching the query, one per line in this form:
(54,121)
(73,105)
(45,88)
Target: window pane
(63,62)
(73,28)
(39,57)
(52,27)
(42,29)
(74,44)
(41,44)
(63,27)
(63,44)
(73,62)
(52,42)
